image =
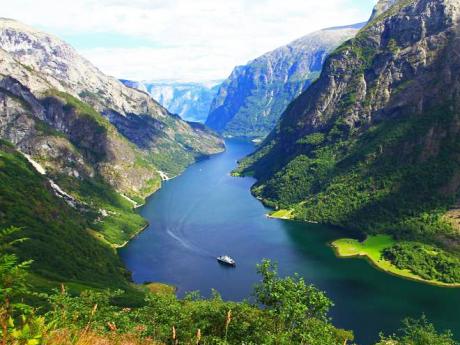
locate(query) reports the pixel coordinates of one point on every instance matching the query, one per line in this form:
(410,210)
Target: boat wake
(187,245)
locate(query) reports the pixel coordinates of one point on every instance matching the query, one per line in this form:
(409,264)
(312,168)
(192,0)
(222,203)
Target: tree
(13,278)
(296,309)
(418,332)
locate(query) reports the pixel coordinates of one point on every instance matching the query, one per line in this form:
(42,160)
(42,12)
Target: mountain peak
(251,100)
(381,7)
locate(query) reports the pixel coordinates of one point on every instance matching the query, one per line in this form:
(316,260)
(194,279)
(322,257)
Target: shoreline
(136,205)
(118,246)
(396,272)
(288,216)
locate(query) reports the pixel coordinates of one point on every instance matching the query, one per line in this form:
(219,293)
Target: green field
(160,288)
(282,214)
(372,249)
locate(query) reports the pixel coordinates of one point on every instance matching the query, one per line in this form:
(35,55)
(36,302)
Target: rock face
(381,7)
(251,100)
(374,143)
(60,109)
(191,101)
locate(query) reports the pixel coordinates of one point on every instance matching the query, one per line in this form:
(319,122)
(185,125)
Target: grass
(372,249)
(86,337)
(121,222)
(160,288)
(282,214)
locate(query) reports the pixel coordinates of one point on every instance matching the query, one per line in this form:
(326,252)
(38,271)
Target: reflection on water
(205,213)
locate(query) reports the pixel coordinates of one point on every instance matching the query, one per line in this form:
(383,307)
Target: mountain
(381,7)
(135,115)
(191,101)
(59,242)
(251,100)
(102,147)
(374,143)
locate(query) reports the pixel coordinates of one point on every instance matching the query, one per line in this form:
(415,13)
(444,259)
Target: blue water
(205,213)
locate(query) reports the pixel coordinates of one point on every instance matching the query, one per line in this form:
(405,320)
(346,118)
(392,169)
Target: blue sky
(186,40)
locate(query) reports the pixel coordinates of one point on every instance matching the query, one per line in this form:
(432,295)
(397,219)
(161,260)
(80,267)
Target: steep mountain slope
(60,245)
(381,7)
(251,100)
(102,146)
(191,101)
(374,143)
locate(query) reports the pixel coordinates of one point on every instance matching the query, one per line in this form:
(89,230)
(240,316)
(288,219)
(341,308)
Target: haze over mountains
(191,101)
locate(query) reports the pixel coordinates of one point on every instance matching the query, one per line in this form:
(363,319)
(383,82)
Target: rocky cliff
(381,7)
(172,142)
(251,100)
(191,101)
(374,143)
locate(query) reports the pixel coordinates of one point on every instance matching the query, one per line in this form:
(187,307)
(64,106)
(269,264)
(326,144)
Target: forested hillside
(373,144)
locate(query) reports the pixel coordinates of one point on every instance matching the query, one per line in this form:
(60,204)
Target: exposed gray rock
(63,69)
(381,7)
(52,103)
(251,100)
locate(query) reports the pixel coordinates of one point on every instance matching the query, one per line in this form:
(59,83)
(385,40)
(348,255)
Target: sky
(181,40)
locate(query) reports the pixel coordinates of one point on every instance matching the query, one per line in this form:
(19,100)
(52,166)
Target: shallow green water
(205,212)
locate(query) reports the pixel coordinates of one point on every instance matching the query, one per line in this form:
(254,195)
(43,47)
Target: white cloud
(191,39)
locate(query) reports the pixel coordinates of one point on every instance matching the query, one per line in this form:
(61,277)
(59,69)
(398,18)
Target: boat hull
(222,262)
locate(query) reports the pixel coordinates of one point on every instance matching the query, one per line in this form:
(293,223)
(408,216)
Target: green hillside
(373,144)
(60,244)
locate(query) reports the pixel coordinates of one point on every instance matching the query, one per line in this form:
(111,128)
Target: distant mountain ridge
(191,101)
(250,101)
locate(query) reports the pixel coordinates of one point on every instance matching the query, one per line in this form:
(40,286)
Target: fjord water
(205,213)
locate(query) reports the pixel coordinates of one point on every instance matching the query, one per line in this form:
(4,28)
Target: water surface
(205,213)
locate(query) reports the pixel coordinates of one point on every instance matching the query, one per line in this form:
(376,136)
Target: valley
(205,212)
(327,168)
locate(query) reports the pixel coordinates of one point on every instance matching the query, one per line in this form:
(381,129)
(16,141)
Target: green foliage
(44,129)
(60,245)
(292,313)
(291,303)
(393,46)
(426,261)
(121,222)
(398,5)
(287,311)
(12,273)
(18,325)
(363,181)
(418,332)
(171,158)
(312,139)
(82,108)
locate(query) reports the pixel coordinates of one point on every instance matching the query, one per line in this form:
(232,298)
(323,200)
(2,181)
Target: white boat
(226,260)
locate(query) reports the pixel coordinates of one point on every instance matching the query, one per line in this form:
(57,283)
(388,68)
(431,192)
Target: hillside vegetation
(373,144)
(60,244)
(285,311)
